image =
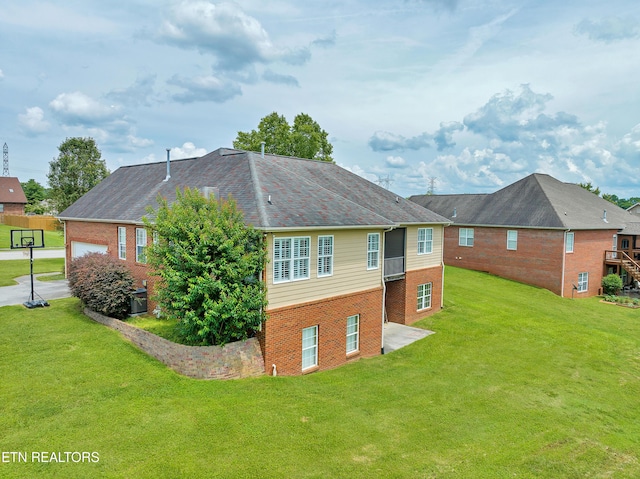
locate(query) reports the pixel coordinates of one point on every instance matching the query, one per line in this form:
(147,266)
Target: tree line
(624,203)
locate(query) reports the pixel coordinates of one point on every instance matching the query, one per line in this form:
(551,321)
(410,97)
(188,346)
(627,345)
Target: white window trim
(583,286)
(466,237)
(571,235)
(425,246)
(313,347)
(322,247)
(355,334)
(141,245)
(122,242)
(512,240)
(424,300)
(371,252)
(291,260)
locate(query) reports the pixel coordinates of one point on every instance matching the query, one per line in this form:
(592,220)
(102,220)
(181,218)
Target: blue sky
(474,94)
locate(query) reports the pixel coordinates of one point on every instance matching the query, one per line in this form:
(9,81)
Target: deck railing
(393,266)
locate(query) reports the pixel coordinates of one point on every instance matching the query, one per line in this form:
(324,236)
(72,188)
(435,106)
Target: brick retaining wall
(234,360)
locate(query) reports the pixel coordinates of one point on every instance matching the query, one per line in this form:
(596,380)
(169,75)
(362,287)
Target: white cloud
(225,31)
(79,109)
(32,122)
(187,150)
(205,88)
(610,29)
(1,74)
(396,162)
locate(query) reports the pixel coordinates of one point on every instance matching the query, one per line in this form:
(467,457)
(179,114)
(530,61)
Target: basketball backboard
(27,239)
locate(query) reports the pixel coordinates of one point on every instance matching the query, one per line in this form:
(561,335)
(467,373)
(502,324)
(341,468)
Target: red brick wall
(107,234)
(13,209)
(587,257)
(537,261)
(402,295)
(281,336)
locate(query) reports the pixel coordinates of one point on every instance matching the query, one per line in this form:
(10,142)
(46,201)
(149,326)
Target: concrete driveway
(46,290)
(43,290)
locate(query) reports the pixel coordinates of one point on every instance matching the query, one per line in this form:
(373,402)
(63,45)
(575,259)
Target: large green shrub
(611,284)
(102,283)
(209,265)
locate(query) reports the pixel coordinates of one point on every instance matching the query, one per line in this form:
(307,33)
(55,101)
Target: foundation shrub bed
(102,283)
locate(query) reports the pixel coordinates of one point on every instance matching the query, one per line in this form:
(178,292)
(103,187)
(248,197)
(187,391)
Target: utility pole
(432,185)
(385,182)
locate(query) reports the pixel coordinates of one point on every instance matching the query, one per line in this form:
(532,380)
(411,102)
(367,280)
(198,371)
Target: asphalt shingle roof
(536,201)
(274,192)
(11,191)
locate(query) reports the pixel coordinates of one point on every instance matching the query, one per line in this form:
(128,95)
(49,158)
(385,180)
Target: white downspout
(564,260)
(384,286)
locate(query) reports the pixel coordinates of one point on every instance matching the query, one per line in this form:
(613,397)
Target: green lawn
(13,268)
(52,239)
(516,382)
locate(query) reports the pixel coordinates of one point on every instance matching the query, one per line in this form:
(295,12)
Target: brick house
(542,232)
(12,198)
(341,250)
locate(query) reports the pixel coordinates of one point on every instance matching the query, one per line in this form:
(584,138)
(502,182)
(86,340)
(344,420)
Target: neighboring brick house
(539,231)
(12,198)
(341,250)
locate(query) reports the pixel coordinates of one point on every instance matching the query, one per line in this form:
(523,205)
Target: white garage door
(80,249)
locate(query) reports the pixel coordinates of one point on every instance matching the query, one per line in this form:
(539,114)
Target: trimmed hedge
(102,283)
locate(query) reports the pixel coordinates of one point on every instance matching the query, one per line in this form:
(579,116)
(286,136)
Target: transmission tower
(5,160)
(432,185)
(385,182)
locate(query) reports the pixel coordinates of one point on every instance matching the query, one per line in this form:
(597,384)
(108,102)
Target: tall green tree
(78,168)
(304,139)
(34,191)
(589,187)
(209,265)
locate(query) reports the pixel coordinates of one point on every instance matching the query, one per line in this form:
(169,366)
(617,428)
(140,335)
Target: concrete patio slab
(397,336)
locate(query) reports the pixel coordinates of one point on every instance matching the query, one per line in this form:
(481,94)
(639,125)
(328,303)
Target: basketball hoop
(23,239)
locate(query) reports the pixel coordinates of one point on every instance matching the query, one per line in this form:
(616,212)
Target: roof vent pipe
(455,212)
(262,149)
(168,165)
(604,216)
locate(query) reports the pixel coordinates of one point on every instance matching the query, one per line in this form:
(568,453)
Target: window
(155,237)
(425,240)
(512,240)
(122,242)
(309,347)
(465,237)
(353,333)
(1,208)
(568,244)
(141,245)
(624,244)
(290,259)
(583,282)
(424,296)
(373,250)
(325,255)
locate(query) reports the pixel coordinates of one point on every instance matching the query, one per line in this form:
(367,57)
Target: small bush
(102,283)
(611,284)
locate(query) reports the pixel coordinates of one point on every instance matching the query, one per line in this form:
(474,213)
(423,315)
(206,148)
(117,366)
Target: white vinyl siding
(325,255)
(349,270)
(569,243)
(583,282)
(424,296)
(141,245)
(465,237)
(373,250)
(353,333)
(122,242)
(414,260)
(425,240)
(309,347)
(512,240)
(290,259)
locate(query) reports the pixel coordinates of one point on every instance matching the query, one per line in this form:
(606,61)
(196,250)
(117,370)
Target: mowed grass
(52,239)
(516,382)
(12,268)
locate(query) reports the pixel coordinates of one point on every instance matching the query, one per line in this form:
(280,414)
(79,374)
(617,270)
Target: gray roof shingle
(536,201)
(302,193)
